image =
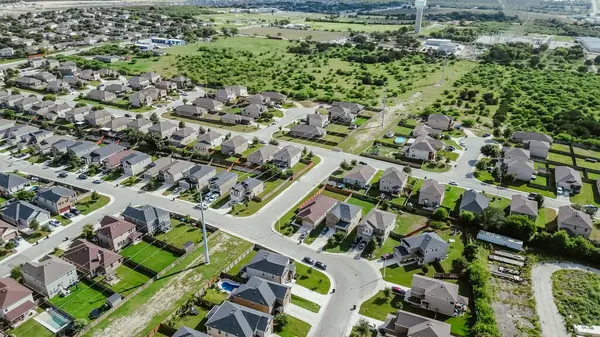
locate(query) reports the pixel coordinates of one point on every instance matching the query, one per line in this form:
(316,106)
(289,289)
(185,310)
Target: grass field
(30,328)
(407,222)
(585,152)
(575,294)
(294,328)
(238,267)
(181,233)
(561,147)
(313,280)
(149,256)
(452,197)
(306,304)
(545,217)
(560,158)
(588,195)
(587,164)
(87,205)
(130,280)
(171,290)
(82,300)
(346,27)
(293,34)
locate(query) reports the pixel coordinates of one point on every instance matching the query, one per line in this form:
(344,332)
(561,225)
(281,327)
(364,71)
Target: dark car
(75,211)
(324,231)
(321,265)
(387,256)
(63,175)
(68,215)
(486,135)
(362,163)
(362,245)
(83,176)
(308,260)
(303,236)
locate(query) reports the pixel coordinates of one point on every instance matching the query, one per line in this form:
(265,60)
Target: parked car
(559,190)
(340,186)
(362,163)
(324,231)
(75,211)
(398,290)
(362,245)
(54,222)
(532,196)
(63,175)
(98,181)
(34,178)
(387,256)
(303,236)
(177,190)
(485,135)
(83,176)
(308,260)
(68,215)
(450,148)
(127,115)
(321,265)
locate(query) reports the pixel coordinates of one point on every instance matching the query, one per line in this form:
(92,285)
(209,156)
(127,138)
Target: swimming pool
(52,320)
(400,140)
(228,285)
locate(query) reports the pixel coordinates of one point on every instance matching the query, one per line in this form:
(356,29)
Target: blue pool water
(399,140)
(228,287)
(52,320)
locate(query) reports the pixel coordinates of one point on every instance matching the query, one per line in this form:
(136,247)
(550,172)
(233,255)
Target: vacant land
(292,34)
(576,296)
(151,306)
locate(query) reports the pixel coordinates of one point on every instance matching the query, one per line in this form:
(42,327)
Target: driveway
(551,321)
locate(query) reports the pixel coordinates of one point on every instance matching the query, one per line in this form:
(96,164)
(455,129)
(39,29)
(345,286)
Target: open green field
(149,256)
(575,294)
(354,27)
(129,280)
(181,233)
(292,34)
(82,300)
(171,290)
(294,328)
(560,158)
(587,195)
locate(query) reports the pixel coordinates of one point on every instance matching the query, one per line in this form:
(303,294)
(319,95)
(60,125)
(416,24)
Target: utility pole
(444,68)
(383,107)
(206,254)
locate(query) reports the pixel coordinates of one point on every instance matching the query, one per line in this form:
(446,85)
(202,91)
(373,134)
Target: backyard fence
(390,160)
(140,268)
(163,245)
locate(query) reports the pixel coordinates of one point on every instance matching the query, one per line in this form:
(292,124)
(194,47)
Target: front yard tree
(25,195)
(154,118)
(181,124)
(344,165)
(467,217)
(440,214)
(34,225)
(490,150)
(407,169)
(362,328)
(540,200)
(280,320)
(16,273)
(87,231)
(95,195)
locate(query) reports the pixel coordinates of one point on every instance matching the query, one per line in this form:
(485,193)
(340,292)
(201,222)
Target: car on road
(362,163)
(321,265)
(201,206)
(308,260)
(453,183)
(68,215)
(98,181)
(127,115)
(362,245)
(63,175)
(462,144)
(387,256)
(54,222)
(83,176)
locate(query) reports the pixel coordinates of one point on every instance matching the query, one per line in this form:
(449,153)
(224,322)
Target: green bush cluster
(485,324)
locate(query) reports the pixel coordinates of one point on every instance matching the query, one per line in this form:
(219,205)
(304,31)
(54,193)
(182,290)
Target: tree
(520,227)
(407,169)
(79,324)
(440,214)
(482,165)
(588,63)
(95,195)
(467,123)
(470,252)
(255,140)
(10,245)
(467,217)
(8,114)
(497,133)
(491,218)
(425,269)
(87,231)
(274,142)
(387,292)
(16,273)
(181,124)
(49,98)
(509,178)
(353,162)
(280,320)
(362,328)
(540,200)
(26,195)
(344,165)
(490,150)
(34,225)
(154,118)
(597,60)
(79,132)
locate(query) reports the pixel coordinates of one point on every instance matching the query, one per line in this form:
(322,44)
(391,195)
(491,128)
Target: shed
(113,300)
(500,240)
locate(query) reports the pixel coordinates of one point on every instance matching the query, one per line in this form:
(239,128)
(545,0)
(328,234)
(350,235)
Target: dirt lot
(514,305)
(292,34)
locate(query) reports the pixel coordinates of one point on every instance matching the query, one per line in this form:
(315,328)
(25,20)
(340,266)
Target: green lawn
(215,296)
(112,176)
(35,236)
(343,246)
(387,247)
(560,158)
(306,304)
(293,328)
(82,300)
(379,307)
(575,296)
(63,221)
(585,152)
(366,205)
(486,177)
(181,233)
(87,205)
(149,256)
(402,130)
(588,195)
(173,289)
(314,233)
(313,280)
(541,180)
(131,181)
(562,147)
(130,279)
(545,216)
(408,222)
(238,267)
(192,321)
(452,197)
(588,164)
(30,328)
(499,202)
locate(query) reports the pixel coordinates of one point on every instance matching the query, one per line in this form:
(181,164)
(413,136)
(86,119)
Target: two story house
(436,295)
(271,266)
(344,217)
(148,219)
(262,295)
(50,276)
(92,260)
(423,248)
(116,234)
(376,224)
(431,193)
(246,190)
(392,181)
(16,304)
(56,199)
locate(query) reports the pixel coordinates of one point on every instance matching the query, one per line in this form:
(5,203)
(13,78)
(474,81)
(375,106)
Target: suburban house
(7,232)
(359,176)
(574,221)
(230,93)
(274,96)
(307,131)
(271,266)
(246,190)
(151,76)
(102,153)
(253,110)
(148,219)
(233,119)
(313,212)
(82,149)
(473,201)
(108,73)
(92,260)
(259,99)
(436,295)
(50,276)
(230,319)
(407,324)
(29,83)
(343,216)
(191,111)
(222,182)
(439,122)
(138,82)
(431,193)
(287,157)
(184,331)
(200,175)
(209,104)
(117,88)
(10,100)
(341,115)
(107,59)
(424,130)
(424,148)
(567,178)
(101,95)
(89,75)
(77,114)
(354,108)
(11,183)
(183,136)
(520,205)
(25,103)
(140,124)
(393,181)
(16,302)
(208,141)
(317,119)
(45,76)
(135,163)
(526,136)
(423,248)
(263,155)
(98,117)
(45,146)
(163,129)
(116,234)
(56,199)
(58,86)
(175,171)
(166,85)
(522,169)
(21,214)
(262,295)
(114,161)
(234,145)
(117,125)
(61,146)
(67,70)
(539,148)
(182,82)
(376,224)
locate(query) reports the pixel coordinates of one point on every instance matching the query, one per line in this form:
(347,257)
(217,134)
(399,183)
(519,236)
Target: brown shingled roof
(113,227)
(11,292)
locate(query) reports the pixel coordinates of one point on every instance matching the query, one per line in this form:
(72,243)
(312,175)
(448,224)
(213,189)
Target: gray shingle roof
(55,193)
(473,202)
(287,153)
(263,153)
(521,205)
(135,158)
(377,219)
(22,210)
(569,216)
(184,331)
(361,173)
(234,141)
(9,180)
(237,320)
(223,177)
(425,241)
(567,175)
(209,136)
(258,291)
(200,171)
(48,269)
(344,210)
(146,214)
(269,262)
(394,175)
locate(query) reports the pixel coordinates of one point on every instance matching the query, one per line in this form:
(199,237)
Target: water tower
(419,5)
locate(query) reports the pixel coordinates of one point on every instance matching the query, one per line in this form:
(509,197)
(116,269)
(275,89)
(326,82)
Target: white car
(559,190)
(54,222)
(453,183)
(177,190)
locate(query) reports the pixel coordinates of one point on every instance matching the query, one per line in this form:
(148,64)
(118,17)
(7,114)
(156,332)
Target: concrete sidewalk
(310,295)
(309,317)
